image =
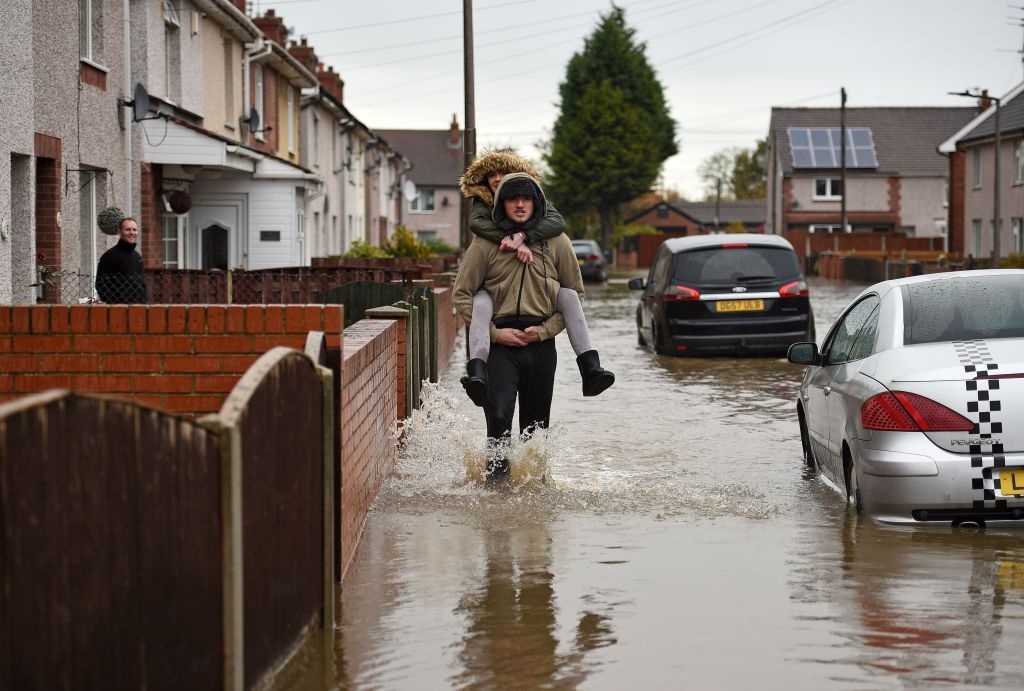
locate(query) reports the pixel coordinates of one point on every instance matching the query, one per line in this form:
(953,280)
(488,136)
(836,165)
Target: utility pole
(469,139)
(842,159)
(718,203)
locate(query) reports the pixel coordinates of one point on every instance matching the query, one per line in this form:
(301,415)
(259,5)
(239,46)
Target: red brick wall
(151,211)
(48,198)
(448,326)
(368,421)
(181,359)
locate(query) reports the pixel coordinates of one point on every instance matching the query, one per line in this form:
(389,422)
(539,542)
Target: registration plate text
(739,306)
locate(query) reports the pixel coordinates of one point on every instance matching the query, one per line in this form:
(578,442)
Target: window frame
(1018,162)
(830,192)
(290,110)
(85,42)
(257,94)
(424,194)
(178,241)
(976,162)
(833,336)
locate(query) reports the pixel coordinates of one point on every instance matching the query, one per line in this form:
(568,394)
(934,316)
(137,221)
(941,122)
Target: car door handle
(827,390)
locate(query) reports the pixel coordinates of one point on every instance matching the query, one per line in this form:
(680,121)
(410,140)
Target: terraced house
(196,130)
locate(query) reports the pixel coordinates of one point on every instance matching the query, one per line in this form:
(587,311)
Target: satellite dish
(409,190)
(253,120)
(140,104)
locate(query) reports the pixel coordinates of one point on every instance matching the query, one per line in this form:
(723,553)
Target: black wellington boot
(595,378)
(475,383)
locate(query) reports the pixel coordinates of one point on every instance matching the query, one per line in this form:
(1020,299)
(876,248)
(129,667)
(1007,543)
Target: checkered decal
(985,410)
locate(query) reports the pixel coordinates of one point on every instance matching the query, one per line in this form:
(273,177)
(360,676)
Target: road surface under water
(662,535)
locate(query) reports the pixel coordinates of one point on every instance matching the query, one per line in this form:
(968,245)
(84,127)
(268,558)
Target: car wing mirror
(636,284)
(804,353)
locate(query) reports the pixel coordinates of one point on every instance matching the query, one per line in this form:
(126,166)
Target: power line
(404,20)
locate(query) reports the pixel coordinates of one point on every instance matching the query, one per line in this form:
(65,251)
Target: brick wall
(151,211)
(48,199)
(181,359)
(957,192)
(368,421)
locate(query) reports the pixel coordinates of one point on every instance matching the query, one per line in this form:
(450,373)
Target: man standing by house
(119,275)
(522,359)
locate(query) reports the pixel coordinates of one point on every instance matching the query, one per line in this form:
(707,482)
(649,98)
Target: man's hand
(532,334)
(512,337)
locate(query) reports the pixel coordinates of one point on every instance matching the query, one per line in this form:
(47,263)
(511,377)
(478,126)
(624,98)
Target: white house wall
(271,206)
(17,173)
(863,194)
(922,203)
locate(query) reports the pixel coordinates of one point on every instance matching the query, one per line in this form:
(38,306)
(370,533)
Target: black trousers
(526,371)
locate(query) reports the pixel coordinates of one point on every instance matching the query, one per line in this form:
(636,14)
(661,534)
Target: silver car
(914,406)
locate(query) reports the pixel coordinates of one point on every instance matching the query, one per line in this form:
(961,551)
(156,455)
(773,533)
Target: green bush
(1014,261)
(623,231)
(364,250)
(404,244)
(440,247)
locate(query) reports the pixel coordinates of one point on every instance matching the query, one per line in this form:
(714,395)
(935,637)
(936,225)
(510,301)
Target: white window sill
(95,65)
(826,199)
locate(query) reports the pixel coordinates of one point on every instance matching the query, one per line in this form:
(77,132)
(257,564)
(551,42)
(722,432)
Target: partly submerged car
(593,264)
(728,293)
(914,405)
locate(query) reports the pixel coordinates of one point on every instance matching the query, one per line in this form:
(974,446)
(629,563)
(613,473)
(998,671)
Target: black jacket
(119,276)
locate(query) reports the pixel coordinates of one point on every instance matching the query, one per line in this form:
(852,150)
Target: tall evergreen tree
(614,130)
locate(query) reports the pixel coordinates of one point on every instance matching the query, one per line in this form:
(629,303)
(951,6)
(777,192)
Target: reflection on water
(675,541)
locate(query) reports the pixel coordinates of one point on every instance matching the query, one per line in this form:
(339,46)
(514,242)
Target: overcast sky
(723,63)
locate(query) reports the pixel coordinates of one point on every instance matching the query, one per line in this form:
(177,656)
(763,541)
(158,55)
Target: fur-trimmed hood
(473,182)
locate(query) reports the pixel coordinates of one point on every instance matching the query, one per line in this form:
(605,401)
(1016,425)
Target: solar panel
(818,147)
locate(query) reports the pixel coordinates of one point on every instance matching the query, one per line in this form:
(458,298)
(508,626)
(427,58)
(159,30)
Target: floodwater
(663,535)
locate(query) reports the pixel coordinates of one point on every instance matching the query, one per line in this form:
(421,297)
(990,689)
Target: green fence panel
(361,296)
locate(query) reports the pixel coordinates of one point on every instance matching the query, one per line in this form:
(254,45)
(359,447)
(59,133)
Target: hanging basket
(180,201)
(109,220)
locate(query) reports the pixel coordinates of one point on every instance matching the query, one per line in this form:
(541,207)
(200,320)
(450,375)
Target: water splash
(443,455)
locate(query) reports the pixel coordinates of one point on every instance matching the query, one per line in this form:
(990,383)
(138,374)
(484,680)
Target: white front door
(213,237)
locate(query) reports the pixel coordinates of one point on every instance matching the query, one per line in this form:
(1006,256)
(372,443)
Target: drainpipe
(253,51)
(128,96)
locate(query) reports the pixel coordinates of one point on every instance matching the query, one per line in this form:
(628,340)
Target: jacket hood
(514,185)
(473,182)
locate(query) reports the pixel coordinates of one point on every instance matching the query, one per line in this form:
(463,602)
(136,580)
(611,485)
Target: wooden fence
(139,550)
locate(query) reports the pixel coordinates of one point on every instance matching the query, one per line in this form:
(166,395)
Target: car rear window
(964,309)
(583,251)
(732,265)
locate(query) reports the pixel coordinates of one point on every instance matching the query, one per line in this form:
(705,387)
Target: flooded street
(675,541)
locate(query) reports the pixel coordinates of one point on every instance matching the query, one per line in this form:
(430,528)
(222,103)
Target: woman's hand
(514,241)
(525,255)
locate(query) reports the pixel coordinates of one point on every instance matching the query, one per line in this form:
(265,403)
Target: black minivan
(732,293)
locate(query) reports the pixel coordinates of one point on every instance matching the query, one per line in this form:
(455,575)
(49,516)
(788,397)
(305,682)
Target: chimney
(984,102)
(330,81)
(453,136)
(305,54)
(273,28)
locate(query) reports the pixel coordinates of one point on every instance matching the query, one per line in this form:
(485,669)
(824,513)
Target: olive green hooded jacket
(519,291)
(473,184)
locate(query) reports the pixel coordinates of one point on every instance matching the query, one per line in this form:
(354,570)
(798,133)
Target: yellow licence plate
(739,306)
(1011,482)
(579,260)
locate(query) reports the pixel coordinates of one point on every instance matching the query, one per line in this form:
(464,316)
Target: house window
(423,203)
(258,97)
(229,84)
(1018,161)
(828,188)
(172,52)
(85,29)
(92,187)
(426,235)
(662,212)
(172,241)
(976,228)
(291,119)
(827,228)
(976,161)
(945,194)
(1017,241)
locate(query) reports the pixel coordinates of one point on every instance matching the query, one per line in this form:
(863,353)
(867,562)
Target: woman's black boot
(475,381)
(595,378)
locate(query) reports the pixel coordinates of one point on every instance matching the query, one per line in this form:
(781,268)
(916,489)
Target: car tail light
(900,411)
(681,293)
(796,289)
(734,245)
(593,258)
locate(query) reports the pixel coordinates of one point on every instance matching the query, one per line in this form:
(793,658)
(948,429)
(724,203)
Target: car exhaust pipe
(969,525)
